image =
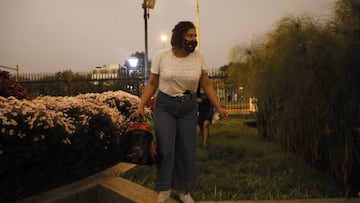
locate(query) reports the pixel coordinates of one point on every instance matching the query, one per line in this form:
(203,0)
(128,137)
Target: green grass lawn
(241,165)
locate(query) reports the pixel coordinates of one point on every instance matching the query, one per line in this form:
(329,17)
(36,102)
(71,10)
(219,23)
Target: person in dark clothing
(205,114)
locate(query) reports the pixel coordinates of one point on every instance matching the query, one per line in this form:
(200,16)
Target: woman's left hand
(223,114)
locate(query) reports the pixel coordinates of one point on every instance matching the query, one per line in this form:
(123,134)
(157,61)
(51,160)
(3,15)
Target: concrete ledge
(107,187)
(130,190)
(103,187)
(88,190)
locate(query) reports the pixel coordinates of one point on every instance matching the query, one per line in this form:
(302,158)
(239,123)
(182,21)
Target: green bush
(304,74)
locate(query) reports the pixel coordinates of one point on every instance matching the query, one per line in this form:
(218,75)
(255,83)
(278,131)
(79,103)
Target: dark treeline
(304,74)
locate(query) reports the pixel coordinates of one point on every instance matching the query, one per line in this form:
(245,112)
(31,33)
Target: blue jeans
(175,130)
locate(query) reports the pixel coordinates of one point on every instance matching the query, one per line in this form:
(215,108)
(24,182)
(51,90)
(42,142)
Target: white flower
(11,132)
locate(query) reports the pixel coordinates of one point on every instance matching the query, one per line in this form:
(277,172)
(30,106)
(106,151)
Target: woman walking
(175,75)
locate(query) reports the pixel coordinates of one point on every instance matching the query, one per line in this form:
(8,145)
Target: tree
(9,87)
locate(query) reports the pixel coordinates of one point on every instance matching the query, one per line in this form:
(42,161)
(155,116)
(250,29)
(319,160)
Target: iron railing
(71,84)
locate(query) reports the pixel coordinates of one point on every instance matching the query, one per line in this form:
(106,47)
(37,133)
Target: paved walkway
(107,187)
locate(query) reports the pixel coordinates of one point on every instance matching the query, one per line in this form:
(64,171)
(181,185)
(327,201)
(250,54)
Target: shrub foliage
(305,74)
(49,139)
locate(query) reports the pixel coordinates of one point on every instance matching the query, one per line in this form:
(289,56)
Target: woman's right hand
(139,111)
(148,92)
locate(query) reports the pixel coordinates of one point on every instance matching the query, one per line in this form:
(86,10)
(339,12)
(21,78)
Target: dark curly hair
(178,33)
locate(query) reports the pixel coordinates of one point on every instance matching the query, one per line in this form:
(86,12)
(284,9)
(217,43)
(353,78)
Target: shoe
(205,146)
(164,196)
(186,198)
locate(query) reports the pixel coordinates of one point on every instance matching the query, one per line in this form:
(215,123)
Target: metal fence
(70,84)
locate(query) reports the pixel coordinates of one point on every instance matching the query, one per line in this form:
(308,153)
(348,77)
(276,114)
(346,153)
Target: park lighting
(150,3)
(163,38)
(133,70)
(147,4)
(133,62)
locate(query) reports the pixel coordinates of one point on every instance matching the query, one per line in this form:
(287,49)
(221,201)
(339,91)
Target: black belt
(187,95)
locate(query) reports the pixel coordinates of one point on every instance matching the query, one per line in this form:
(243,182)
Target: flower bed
(50,141)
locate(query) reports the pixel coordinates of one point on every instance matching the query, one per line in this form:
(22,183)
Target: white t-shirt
(176,74)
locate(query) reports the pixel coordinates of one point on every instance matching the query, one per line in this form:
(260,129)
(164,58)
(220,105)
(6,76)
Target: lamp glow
(133,62)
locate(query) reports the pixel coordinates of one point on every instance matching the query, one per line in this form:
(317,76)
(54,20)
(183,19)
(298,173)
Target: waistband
(187,95)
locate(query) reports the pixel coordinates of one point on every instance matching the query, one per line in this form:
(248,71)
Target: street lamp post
(133,62)
(198,23)
(147,4)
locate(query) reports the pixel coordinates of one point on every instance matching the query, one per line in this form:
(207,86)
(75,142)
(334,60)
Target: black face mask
(189,46)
